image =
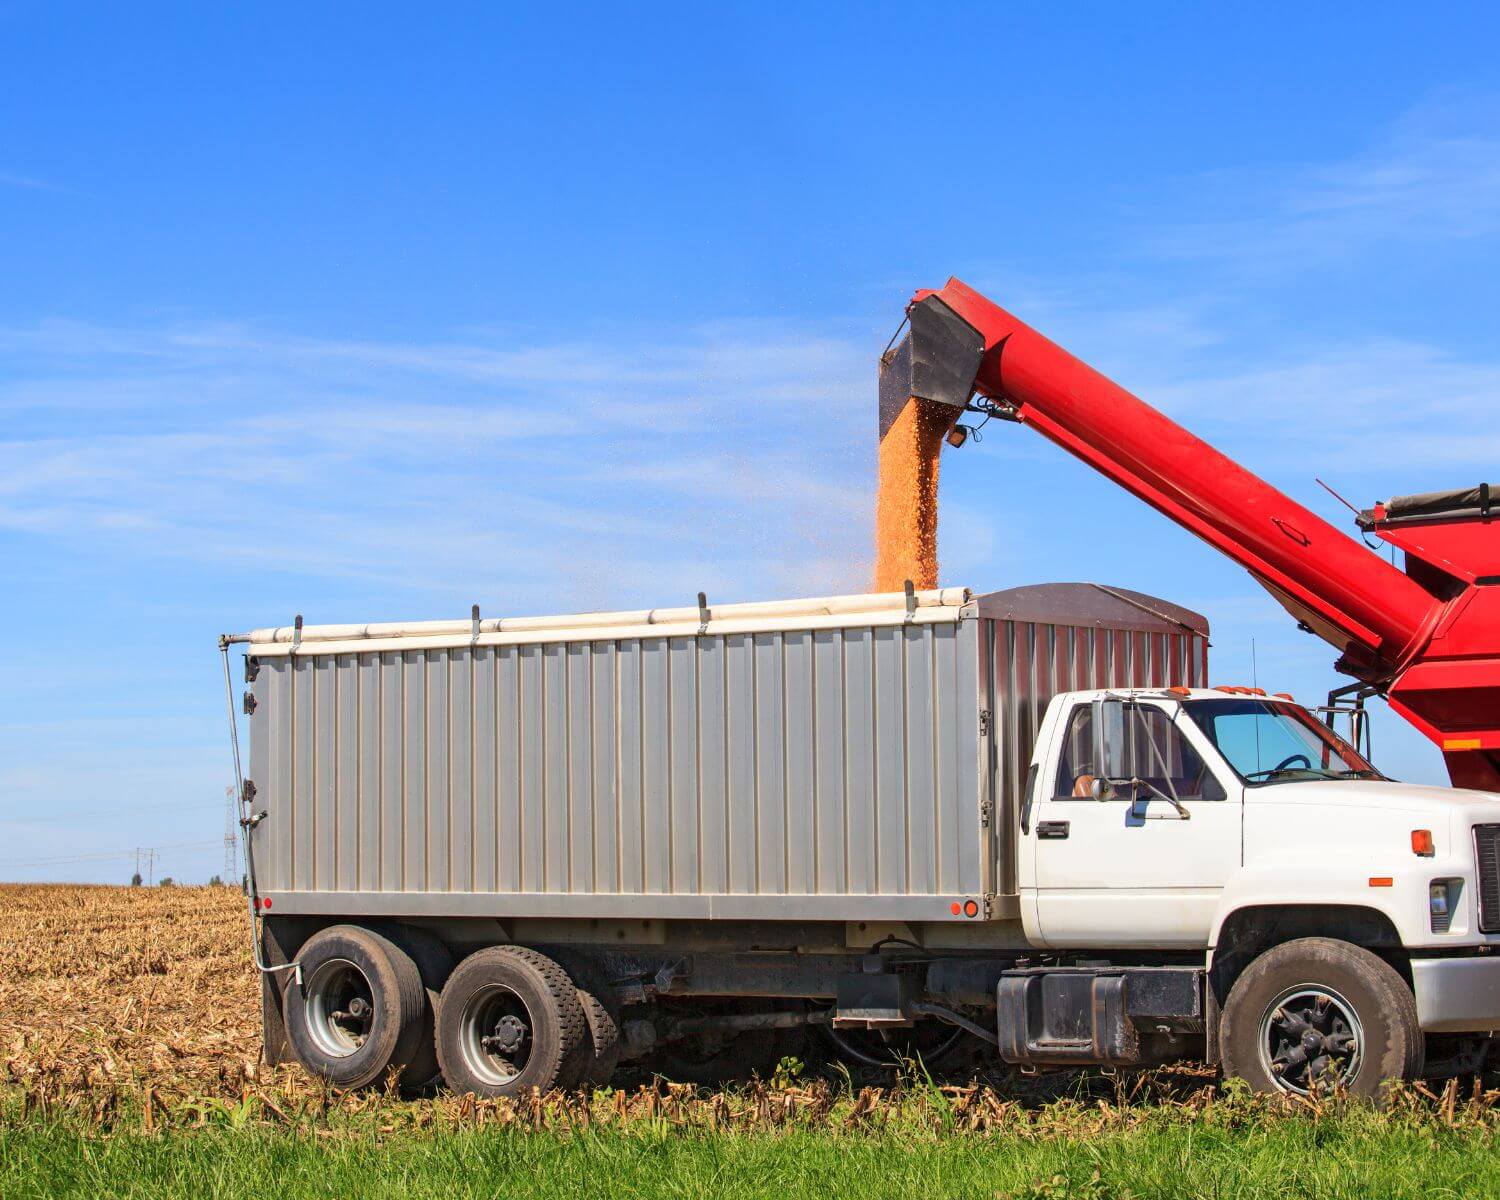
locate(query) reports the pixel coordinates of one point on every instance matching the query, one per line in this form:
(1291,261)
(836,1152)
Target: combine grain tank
(838,759)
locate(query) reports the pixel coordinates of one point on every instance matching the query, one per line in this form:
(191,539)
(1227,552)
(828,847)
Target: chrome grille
(1487,856)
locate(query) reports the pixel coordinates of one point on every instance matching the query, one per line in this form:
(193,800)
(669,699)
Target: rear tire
(434,964)
(602,1045)
(509,1020)
(1315,1012)
(357,1013)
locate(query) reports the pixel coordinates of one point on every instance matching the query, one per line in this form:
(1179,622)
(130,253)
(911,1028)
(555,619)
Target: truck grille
(1487,855)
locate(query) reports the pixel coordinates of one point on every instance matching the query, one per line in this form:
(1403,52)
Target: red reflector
(971,908)
(1421,842)
(1381,881)
(266,903)
(956,908)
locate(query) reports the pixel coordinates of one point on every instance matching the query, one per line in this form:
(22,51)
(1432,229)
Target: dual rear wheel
(511,1020)
(357,1009)
(369,1004)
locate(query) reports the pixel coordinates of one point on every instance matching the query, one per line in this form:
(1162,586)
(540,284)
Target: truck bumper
(1457,995)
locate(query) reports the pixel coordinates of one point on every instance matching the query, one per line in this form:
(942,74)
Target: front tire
(1317,1012)
(357,1013)
(509,1020)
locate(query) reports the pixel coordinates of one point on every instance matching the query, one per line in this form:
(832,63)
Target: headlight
(1442,898)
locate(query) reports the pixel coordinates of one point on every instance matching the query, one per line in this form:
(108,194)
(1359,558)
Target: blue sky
(352,313)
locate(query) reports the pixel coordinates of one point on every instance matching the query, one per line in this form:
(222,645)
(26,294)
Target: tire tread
(1393,1014)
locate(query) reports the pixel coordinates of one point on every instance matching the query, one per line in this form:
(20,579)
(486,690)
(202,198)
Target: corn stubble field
(130,1036)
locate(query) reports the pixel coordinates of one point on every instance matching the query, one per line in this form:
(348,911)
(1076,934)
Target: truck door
(1140,861)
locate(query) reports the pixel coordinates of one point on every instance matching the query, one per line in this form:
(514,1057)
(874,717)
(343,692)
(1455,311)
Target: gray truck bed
(813,760)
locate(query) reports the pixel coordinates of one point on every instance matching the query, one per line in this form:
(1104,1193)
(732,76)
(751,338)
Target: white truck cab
(1222,820)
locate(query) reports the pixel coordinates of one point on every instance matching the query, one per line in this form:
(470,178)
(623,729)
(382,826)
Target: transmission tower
(231,841)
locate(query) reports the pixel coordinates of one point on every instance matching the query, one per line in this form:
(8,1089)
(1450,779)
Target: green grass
(1355,1153)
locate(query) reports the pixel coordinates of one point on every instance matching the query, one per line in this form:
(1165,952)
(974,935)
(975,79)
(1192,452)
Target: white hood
(1383,794)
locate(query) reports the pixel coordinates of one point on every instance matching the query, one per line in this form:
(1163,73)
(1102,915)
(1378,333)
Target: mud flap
(275,1046)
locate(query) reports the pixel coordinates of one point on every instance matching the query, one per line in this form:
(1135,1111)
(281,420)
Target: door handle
(1051,830)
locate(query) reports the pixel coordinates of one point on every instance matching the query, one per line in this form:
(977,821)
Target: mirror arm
(1161,795)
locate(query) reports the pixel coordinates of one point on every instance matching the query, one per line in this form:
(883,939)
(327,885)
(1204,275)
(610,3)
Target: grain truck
(513,853)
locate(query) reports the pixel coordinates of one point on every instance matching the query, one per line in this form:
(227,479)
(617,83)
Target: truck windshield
(1266,741)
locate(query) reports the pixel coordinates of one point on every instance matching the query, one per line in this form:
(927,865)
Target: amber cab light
(1421,842)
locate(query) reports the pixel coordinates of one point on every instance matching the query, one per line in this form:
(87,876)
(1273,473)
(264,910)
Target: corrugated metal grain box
(855,757)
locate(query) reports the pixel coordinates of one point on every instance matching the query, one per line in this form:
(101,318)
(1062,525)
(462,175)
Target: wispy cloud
(1432,177)
(31,183)
(721,453)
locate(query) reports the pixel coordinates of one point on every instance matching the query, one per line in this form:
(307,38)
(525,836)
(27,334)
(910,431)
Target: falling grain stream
(906,505)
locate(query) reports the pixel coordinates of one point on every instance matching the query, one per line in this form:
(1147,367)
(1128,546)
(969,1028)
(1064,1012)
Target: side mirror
(1102,789)
(1108,720)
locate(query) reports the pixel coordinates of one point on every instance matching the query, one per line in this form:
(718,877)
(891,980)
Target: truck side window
(1166,760)
(1155,748)
(1075,770)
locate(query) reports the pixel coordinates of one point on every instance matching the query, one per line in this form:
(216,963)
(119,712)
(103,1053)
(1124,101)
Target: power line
(102,855)
(69,817)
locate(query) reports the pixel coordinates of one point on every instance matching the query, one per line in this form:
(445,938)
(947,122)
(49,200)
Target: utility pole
(231,825)
(148,854)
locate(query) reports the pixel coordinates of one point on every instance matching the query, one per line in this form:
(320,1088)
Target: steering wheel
(1283,765)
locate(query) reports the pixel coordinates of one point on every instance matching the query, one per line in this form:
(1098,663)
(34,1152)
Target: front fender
(1323,882)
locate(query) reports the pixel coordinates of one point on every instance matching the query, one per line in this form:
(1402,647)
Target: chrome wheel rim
(1311,1036)
(340,1007)
(495,1035)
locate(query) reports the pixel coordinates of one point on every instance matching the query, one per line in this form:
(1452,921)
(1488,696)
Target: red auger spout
(1427,638)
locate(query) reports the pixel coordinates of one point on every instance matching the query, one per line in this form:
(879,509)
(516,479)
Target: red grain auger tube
(1382,620)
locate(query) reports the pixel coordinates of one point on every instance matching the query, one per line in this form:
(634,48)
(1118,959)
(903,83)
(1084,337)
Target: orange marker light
(957,908)
(1421,842)
(971,908)
(1381,881)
